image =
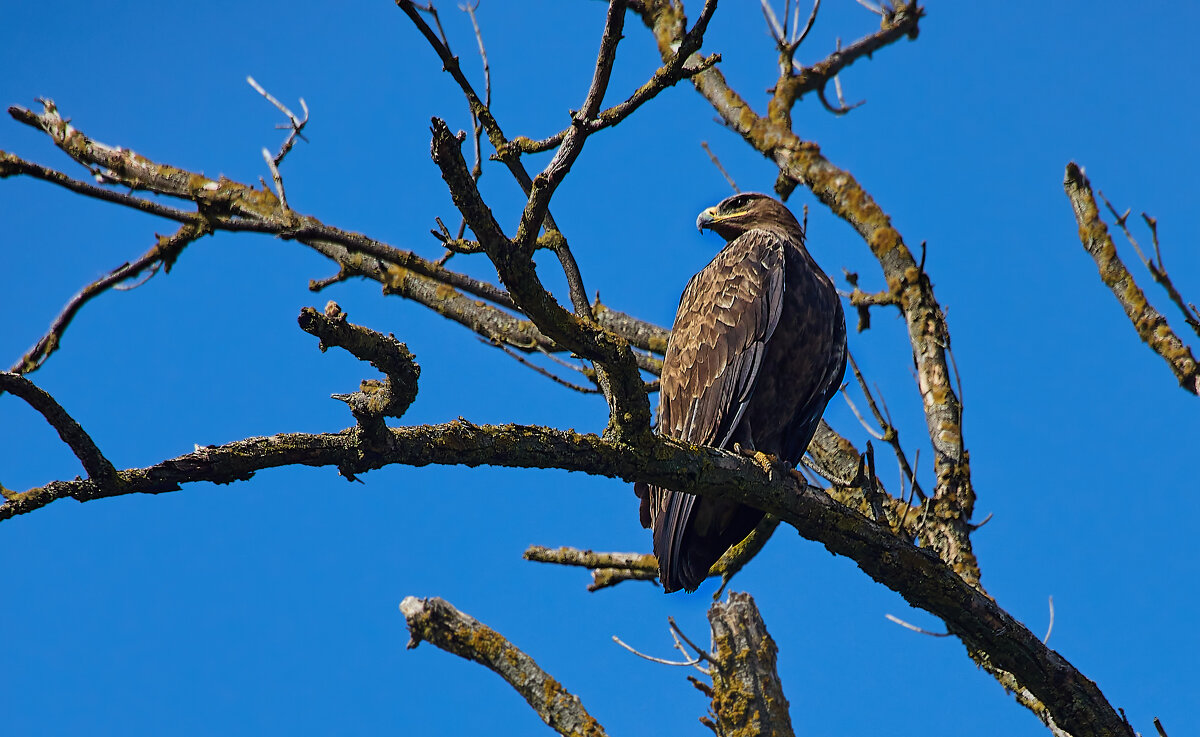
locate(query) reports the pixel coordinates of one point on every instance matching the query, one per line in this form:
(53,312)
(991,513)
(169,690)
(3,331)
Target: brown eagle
(757,350)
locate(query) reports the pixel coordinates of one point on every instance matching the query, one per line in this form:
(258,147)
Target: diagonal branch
(629,409)
(81,444)
(1151,326)
(164,252)
(545,184)
(669,74)
(436,621)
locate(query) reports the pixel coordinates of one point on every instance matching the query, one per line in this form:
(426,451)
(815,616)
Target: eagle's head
(742,212)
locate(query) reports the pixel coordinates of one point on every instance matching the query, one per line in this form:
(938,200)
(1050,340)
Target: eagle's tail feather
(691,534)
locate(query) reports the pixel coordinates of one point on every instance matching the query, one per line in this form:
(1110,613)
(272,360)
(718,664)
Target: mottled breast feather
(756,351)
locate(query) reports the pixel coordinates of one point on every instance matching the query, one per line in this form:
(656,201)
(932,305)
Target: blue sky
(271,606)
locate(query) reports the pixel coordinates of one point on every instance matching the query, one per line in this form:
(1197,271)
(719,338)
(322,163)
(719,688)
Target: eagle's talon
(765,461)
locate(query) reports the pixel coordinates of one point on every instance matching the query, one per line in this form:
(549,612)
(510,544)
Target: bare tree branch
(1151,326)
(629,410)
(437,622)
(796,81)
(1156,267)
(1044,677)
(608,569)
(165,250)
(375,399)
(99,468)
(295,124)
(747,696)
(400,272)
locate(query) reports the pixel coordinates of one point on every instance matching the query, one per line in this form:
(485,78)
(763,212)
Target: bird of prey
(757,350)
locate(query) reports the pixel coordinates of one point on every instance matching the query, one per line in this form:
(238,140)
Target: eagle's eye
(737,202)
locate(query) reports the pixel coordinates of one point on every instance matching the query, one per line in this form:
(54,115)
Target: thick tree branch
(1150,325)
(1063,696)
(747,695)
(437,622)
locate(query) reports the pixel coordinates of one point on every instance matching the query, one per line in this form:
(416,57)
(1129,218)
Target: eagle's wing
(727,314)
(726,317)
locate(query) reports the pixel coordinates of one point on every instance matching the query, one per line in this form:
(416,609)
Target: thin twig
(890,434)
(1049,627)
(295,123)
(717,163)
(652,659)
(497,343)
(679,646)
(476,124)
(700,652)
(812,18)
(861,420)
(277,177)
(915,628)
(778,32)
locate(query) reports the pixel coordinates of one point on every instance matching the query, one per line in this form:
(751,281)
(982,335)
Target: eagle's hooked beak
(706,219)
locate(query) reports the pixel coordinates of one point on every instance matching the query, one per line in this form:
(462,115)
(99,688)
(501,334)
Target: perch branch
(1041,676)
